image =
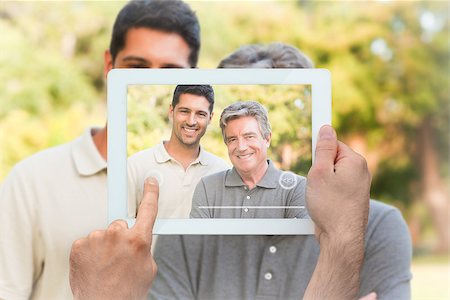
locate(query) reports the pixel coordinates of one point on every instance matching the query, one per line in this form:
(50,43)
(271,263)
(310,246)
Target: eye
(231,140)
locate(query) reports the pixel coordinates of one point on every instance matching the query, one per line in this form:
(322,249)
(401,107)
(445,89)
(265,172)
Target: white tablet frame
(117,88)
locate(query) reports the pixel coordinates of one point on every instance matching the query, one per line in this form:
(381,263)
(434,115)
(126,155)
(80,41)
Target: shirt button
(246,209)
(268,276)
(245,188)
(248,197)
(272,249)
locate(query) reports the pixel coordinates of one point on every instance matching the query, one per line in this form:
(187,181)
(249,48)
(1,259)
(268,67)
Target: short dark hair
(173,16)
(274,55)
(204,90)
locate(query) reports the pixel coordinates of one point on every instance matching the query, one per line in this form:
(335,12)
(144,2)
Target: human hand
(371,296)
(338,190)
(337,197)
(116,263)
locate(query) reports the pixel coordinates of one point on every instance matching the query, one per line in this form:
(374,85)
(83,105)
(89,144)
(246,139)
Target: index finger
(148,209)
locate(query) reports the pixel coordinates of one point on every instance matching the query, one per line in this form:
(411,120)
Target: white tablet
(298,103)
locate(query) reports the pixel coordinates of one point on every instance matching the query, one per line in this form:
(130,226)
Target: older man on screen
(253,188)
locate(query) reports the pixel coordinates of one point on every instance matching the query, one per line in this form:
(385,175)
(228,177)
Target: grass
(431,278)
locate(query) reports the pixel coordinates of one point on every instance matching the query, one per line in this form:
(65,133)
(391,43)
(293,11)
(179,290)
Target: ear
(170,113)
(210,117)
(268,139)
(108,63)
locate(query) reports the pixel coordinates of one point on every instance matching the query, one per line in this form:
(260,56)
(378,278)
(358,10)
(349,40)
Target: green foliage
(289,109)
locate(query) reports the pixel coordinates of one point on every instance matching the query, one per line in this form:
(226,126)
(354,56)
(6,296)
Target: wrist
(345,251)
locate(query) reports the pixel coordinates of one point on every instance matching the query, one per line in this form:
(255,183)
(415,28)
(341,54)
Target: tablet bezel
(118,81)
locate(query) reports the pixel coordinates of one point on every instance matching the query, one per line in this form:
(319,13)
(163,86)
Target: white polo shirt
(177,185)
(47,202)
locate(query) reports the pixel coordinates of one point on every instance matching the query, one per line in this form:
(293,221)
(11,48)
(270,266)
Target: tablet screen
(209,196)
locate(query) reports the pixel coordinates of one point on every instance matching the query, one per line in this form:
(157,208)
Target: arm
(338,190)
(21,252)
(116,263)
(387,261)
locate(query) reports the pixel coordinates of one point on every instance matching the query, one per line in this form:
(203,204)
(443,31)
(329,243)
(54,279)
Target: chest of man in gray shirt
(225,195)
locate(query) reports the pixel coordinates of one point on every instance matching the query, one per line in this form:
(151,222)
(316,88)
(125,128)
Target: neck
(184,154)
(251,178)
(100,138)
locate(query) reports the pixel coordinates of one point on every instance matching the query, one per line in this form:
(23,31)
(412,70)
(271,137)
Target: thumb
(326,149)
(371,296)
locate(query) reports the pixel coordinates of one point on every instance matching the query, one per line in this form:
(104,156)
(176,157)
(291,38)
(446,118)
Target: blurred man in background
(58,195)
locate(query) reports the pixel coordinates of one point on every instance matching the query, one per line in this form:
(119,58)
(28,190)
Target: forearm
(337,274)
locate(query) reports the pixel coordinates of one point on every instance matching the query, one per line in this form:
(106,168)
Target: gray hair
(274,55)
(244,109)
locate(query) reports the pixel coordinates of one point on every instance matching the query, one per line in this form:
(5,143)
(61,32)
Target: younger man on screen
(180,161)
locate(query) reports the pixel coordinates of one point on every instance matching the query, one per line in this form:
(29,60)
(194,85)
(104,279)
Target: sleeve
(387,261)
(178,261)
(21,251)
(297,197)
(200,199)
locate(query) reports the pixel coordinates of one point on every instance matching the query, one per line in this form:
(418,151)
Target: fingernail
(326,132)
(151,180)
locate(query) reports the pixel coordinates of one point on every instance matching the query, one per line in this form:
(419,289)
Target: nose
(242,145)
(192,119)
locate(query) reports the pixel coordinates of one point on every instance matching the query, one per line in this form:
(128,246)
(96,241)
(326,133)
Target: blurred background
(390,69)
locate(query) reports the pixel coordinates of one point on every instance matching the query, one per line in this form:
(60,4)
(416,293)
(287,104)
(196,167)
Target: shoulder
(387,232)
(142,155)
(215,179)
(385,224)
(215,161)
(37,171)
(290,181)
(218,176)
(44,160)
(385,216)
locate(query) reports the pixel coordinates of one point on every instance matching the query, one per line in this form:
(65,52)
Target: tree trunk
(435,192)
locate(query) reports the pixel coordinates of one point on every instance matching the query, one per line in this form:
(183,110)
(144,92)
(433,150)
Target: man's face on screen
(149,48)
(247,148)
(191,117)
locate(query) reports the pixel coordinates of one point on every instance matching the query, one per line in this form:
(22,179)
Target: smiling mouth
(244,156)
(190,130)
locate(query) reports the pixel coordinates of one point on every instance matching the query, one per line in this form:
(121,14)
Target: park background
(389,62)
